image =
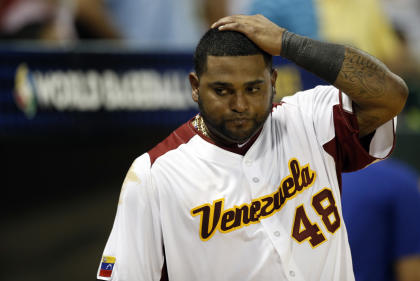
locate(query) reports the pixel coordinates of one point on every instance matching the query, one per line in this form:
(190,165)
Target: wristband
(322,59)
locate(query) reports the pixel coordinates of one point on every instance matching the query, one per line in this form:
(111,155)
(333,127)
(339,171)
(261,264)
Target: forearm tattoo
(363,72)
(365,79)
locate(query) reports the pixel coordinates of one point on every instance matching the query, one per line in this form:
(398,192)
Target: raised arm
(378,94)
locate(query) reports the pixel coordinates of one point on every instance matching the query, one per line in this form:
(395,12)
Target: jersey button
(277,233)
(292,273)
(255,179)
(248,162)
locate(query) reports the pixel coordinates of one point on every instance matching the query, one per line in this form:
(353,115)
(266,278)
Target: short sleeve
(331,114)
(134,250)
(351,154)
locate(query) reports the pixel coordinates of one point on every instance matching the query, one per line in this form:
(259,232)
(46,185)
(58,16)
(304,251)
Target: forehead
(227,67)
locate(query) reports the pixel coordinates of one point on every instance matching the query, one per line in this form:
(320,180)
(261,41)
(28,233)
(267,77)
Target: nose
(238,102)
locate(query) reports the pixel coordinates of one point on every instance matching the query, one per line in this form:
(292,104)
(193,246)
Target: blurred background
(86,86)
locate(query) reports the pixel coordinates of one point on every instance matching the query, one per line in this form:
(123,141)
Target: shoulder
(180,136)
(398,173)
(140,167)
(321,92)
(390,176)
(318,101)
(391,169)
(136,183)
(310,100)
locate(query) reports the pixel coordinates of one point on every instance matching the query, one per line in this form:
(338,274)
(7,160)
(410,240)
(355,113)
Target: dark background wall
(59,201)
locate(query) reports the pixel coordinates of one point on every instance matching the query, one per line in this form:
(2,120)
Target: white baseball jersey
(203,212)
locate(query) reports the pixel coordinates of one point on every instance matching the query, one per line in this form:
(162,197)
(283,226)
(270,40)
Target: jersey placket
(279,237)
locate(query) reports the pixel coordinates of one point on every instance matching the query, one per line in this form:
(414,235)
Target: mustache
(238,116)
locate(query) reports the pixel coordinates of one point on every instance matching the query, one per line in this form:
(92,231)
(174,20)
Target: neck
(215,137)
(235,147)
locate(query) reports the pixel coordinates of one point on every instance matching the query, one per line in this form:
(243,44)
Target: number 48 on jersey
(323,203)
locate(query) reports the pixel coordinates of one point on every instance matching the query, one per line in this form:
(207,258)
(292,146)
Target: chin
(242,136)
(239,138)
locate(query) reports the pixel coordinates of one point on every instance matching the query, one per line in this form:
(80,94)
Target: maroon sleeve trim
(180,136)
(277,104)
(346,148)
(348,152)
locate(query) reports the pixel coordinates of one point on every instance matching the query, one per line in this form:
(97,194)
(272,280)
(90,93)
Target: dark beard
(220,134)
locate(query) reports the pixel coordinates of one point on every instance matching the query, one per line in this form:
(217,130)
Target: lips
(239,121)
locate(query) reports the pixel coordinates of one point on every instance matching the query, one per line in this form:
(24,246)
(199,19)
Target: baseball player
(248,190)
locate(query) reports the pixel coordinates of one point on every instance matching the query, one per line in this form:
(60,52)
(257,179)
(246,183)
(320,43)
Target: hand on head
(266,34)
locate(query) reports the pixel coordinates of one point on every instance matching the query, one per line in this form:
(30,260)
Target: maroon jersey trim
(185,132)
(234,147)
(277,104)
(346,148)
(180,136)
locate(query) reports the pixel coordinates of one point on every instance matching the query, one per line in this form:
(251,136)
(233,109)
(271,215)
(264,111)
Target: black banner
(52,91)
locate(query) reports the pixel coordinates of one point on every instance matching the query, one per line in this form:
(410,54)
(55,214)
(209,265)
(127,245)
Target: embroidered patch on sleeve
(107,266)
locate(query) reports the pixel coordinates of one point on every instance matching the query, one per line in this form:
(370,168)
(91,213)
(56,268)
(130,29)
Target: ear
(273,78)
(195,83)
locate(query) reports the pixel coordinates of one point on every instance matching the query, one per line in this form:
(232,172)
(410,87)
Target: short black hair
(225,43)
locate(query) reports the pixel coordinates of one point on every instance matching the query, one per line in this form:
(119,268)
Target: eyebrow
(227,84)
(219,84)
(258,81)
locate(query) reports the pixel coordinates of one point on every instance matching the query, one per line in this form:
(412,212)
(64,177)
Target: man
(384,197)
(247,190)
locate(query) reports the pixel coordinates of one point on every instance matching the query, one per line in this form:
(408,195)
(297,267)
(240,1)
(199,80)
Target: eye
(252,89)
(221,91)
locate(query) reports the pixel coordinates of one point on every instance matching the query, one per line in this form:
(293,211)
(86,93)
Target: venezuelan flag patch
(107,265)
